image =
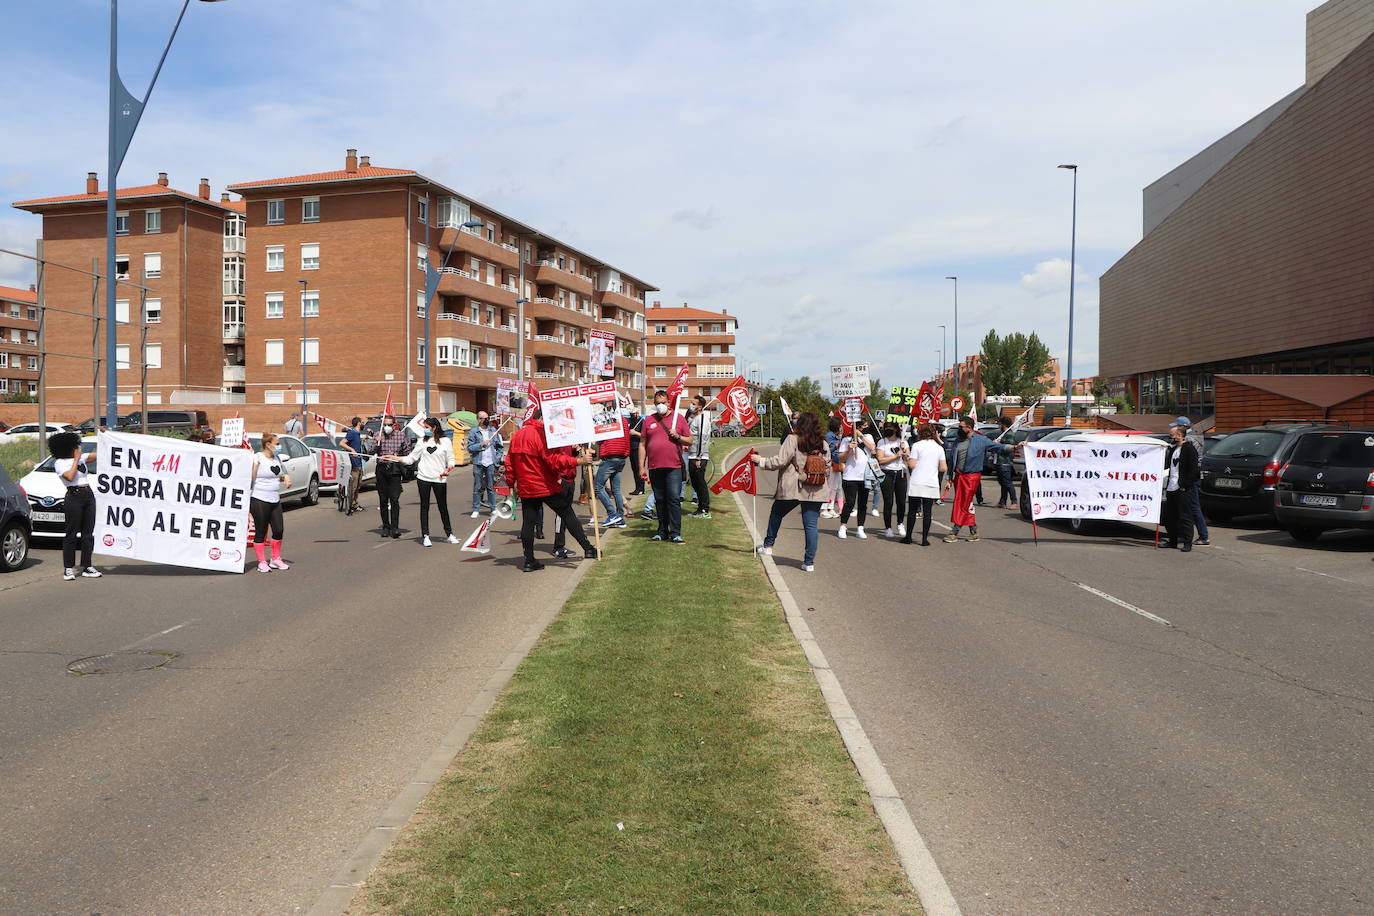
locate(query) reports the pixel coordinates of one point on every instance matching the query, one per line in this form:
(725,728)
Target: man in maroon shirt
(663,437)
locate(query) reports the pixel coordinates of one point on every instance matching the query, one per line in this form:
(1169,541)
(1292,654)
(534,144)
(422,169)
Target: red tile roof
(146,190)
(18,295)
(363,172)
(674,314)
(1317,390)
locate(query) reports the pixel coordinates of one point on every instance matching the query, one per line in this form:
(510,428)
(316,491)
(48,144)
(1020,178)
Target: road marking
(1119,603)
(156,635)
(1324,575)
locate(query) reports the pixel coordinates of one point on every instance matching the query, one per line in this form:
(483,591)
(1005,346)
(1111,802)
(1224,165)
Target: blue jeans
(610,469)
(811,515)
(1006,479)
(681,490)
(482,493)
(1195,502)
(667,484)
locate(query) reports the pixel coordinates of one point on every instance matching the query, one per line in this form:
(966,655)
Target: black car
(1240,472)
(15,526)
(89,425)
(1327,482)
(191,421)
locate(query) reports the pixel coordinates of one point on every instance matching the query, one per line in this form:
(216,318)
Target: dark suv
(1328,482)
(1240,472)
(187,420)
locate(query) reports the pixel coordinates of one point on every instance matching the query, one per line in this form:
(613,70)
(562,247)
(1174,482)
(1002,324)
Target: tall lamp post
(1073,250)
(305,356)
(956,332)
(125,112)
(432,277)
(943,341)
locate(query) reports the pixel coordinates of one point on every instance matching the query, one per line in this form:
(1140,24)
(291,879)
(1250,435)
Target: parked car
(89,425)
(29,432)
(1240,472)
(1327,482)
(1029,434)
(47,498)
(1112,437)
(300,463)
(318,442)
(186,420)
(15,524)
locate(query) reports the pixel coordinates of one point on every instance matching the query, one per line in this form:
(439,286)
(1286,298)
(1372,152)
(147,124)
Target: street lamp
(942,350)
(431,287)
(1073,250)
(956,332)
(305,374)
(125,112)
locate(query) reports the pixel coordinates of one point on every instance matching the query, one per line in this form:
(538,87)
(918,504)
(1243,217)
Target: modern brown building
(1257,254)
(18,341)
(703,340)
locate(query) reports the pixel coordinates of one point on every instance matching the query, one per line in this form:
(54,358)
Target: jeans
(482,492)
(667,484)
(894,493)
(79,508)
(562,509)
(1200,523)
(1005,481)
(1178,516)
(811,515)
(696,470)
(389,495)
(609,472)
(681,488)
(440,492)
(855,498)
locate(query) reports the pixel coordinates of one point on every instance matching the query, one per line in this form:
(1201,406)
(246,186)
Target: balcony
(454,281)
(235,375)
(544,308)
(620,300)
(233,331)
(550,272)
(451,239)
(235,244)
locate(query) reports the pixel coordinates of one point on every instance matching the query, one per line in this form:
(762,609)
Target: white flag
(972,408)
(1026,417)
(480,540)
(417,424)
(786,411)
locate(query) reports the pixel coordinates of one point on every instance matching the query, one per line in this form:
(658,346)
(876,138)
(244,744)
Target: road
(1063,753)
(240,776)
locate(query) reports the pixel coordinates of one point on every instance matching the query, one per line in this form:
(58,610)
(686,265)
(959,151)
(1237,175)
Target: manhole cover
(120,662)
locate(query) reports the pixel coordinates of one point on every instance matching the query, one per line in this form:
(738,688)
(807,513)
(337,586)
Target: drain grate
(120,662)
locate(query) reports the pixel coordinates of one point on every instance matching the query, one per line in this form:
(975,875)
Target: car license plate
(1228,483)
(1318,500)
(49,517)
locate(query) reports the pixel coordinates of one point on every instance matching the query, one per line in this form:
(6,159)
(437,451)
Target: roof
(15,294)
(145,190)
(674,314)
(1317,390)
(1155,422)
(362,173)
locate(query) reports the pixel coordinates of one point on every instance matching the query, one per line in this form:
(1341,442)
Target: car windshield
(320,441)
(46,464)
(1344,450)
(1253,443)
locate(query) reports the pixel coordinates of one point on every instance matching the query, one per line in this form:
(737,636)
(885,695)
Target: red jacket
(532,466)
(620,446)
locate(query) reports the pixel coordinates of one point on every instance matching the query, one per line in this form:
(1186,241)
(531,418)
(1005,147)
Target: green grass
(668,696)
(18,458)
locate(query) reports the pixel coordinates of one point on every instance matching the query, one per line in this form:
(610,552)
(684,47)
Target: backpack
(816,470)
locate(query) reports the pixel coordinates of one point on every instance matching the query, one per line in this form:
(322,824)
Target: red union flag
(735,397)
(533,405)
(740,478)
(925,405)
(675,389)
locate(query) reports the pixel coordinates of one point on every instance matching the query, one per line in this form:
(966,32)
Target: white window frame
(152,221)
(150,259)
(121,311)
(275,255)
(274,299)
(121,219)
(422,210)
(271,348)
(5,360)
(273,397)
(279,206)
(308,262)
(307,345)
(308,296)
(310,214)
(152,355)
(682,350)
(31,363)
(152,310)
(419,351)
(419,303)
(121,356)
(421,255)
(122,273)
(660,349)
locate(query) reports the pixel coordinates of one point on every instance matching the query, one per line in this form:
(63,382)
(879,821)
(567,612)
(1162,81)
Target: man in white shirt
(485,446)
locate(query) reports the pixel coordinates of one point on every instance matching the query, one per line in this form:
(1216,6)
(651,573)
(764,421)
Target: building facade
(18,341)
(703,340)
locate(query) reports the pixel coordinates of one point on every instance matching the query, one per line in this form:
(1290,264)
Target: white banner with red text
(1096,480)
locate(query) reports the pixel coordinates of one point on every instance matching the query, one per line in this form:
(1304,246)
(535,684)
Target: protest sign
(903,402)
(849,381)
(417,424)
(1121,481)
(580,413)
(231,432)
(329,465)
(601,354)
(626,403)
(853,408)
(172,501)
(512,396)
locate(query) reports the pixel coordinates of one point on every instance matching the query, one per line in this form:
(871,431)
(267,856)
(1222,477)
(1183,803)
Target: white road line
(1119,603)
(156,635)
(1324,575)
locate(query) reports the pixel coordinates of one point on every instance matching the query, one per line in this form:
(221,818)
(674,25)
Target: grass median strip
(664,749)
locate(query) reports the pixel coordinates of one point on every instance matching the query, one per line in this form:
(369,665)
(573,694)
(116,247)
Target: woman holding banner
(925,463)
(853,454)
(265,504)
(803,464)
(78,504)
(434,455)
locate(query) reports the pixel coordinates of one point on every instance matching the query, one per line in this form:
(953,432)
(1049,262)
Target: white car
(318,442)
(47,494)
(300,463)
(31,431)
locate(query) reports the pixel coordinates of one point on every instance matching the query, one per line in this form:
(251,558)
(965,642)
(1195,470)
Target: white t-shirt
(484,457)
(924,465)
(887,448)
(1173,469)
(856,463)
(266,479)
(63,465)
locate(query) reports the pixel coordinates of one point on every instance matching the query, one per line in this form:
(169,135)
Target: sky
(815,168)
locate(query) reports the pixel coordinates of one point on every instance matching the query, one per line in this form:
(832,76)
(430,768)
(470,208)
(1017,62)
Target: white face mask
(387,426)
(660,409)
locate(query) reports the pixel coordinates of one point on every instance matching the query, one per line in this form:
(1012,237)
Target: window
(121,267)
(491,232)
(660,371)
(475,357)
(272,352)
(152,355)
(276,212)
(660,349)
(152,220)
(420,351)
(4,386)
(122,222)
(491,274)
(31,363)
(493,358)
(419,303)
(682,329)
(152,265)
(310,303)
(276,307)
(423,210)
(121,313)
(152,311)
(233,233)
(276,258)
(491,317)
(274,397)
(310,256)
(233,276)
(310,351)
(122,356)
(421,256)
(681,349)
(4,360)
(31,313)
(310,209)
(660,329)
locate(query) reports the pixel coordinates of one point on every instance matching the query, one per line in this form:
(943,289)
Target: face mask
(387,426)
(963,433)
(484,421)
(660,409)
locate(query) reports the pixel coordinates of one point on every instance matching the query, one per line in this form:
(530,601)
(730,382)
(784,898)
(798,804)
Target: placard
(512,396)
(172,501)
(329,465)
(903,402)
(853,409)
(580,414)
(231,432)
(1122,481)
(601,354)
(849,381)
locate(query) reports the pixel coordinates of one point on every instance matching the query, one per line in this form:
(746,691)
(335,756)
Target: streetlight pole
(956,333)
(125,112)
(305,357)
(1073,251)
(943,341)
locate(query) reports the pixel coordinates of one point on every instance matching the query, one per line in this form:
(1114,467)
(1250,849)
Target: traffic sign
(956,403)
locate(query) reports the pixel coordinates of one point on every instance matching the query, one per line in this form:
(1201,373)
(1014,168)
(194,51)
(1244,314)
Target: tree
(1014,365)
(20,397)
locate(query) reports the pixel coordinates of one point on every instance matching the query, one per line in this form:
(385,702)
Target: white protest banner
(330,465)
(480,540)
(512,396)
(601,354)
(849,381)
(417,424)
(627,404)
(172,501)
(1105,480)
(231,432)
(581,413)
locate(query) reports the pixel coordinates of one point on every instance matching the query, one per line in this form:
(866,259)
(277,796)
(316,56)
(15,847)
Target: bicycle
(341,494)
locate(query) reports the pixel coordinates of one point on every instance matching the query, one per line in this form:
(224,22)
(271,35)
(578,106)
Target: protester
(925,463)
(834,494)
(535,470)
(699,453)
(390,442)
(854,453)
(803,465)
(294,426)
(1195,498)
(664,435)
(486,448)
(568,482)
(1183,471)
(966,471)
(636,422)
(434,456)
(892,454)
(265,503)
(1005,473)
(353,444)
(78,504)
(790,428)
(613,455)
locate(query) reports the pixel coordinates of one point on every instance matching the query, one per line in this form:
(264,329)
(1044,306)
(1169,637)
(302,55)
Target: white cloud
(1052,277)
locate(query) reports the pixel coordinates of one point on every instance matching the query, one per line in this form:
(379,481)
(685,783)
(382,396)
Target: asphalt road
(238,778)
(1062,753)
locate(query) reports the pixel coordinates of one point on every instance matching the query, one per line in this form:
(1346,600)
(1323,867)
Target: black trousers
(389,495)
(266,515)
(561,507)
(894,494)
(919,505)
(634,470)
(560,536)
(696,473)
(855,500)
(440,492)
(1178,516)
(79,508)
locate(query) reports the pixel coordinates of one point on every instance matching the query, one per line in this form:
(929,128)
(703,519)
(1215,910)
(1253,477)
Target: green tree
(1015,364)
(20,397)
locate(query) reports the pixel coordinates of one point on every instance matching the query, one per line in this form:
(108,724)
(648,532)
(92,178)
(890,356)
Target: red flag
(725,417)
(675,389)
(741,478)
(925,404)
(735,397)
(386,411)
(846,428)
(533,404)
(937,402)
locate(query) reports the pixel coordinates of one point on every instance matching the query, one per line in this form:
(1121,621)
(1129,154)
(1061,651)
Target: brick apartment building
(176,244)
(18,341)
(704,340)
(971,380)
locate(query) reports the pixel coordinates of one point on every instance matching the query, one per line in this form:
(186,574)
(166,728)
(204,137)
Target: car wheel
(14,547)
(1080,525)
(1306,535)
(312,492)
(1025,502)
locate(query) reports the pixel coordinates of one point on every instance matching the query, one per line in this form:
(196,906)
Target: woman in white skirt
(925,463)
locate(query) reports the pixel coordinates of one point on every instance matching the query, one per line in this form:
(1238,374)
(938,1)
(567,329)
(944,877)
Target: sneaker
(263,567)
(1185,547)
(279,563)
(859,532)
(426,542)
(1202,542)
(531,566)
(843,532)
(677,539)
(875,512)
(69,575)
(887,532)
(475,513)
(648,516)
(90,572)
(901,531)
(974,537)
(656,537)
(395,532)
(766,551)
(615,521)
(590,554)
(808,568)
(950,538)
(563,553)
(453,539)
(700,514)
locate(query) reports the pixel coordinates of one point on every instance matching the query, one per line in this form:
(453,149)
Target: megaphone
(505,508)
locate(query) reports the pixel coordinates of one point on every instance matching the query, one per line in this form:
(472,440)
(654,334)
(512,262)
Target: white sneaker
(901,531)
(875,512)
(476,513)
(809,568)
(859,532)
(887,532)
(453,539)
(844,532)
(766,551)
(426,542)
(69,575)
(90,572)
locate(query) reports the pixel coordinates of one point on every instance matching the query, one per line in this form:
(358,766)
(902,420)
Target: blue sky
(815,168)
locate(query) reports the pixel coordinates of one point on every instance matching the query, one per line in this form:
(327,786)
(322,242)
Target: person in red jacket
(536,471)
(614,453)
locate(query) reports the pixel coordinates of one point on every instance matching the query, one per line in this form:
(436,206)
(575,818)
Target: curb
(912,852)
